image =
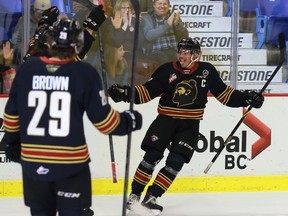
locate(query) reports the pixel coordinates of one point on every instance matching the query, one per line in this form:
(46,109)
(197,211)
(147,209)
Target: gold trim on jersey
(54,154)
(225,96)
(11,122)
(109,123)
(196,114)
(143,93)
(77,59)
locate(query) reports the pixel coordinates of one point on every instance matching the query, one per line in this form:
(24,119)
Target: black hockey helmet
(189,44)
(67,33)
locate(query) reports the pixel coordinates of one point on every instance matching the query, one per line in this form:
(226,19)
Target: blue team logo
(185,93)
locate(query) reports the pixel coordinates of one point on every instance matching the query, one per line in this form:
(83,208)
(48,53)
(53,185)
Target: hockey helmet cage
(189,44)
(67,33)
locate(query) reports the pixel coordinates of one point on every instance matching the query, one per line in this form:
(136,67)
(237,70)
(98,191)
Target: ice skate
(132,200)
(150,203)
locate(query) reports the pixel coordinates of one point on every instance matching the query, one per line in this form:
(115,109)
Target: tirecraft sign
(250,74)
(245,56)
(197,8)
(207,24)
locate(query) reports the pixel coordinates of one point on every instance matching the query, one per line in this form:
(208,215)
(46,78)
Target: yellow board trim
(13,188)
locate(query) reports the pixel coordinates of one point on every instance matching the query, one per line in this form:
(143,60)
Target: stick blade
(208,167)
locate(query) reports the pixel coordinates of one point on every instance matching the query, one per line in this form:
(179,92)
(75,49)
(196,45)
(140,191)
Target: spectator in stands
(115,64)
(121,27)
(7,72)
(7,53)
(36,13)
(162,29)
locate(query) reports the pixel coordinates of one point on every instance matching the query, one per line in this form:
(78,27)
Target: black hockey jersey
(45,110)
(183,93)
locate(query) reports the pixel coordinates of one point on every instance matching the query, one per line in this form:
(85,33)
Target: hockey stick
(136,7)
(91,6)
(282,46)
(104,78)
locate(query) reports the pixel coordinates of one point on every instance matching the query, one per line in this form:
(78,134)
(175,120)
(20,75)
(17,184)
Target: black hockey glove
(12,147)
(253,98)
(95,18)
(134,120)
(120,93)
(37,44)
(49,16)
(13,152)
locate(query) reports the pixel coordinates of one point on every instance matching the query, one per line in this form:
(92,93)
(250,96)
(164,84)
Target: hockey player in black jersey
(44,130)
(183,87)
(37,44)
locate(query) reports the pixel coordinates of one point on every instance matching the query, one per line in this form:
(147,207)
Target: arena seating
(248,5)
(245,5)
(271,19)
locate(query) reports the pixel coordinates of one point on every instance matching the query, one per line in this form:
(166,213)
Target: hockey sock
(141,178)
(167,174)
(144,171)
(162,182)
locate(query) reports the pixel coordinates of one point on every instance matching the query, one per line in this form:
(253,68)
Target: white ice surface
(195,204)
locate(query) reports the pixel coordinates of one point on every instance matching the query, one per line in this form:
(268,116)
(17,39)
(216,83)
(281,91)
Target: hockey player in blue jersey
(44,129)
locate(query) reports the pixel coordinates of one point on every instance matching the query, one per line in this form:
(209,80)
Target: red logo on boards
(262,130)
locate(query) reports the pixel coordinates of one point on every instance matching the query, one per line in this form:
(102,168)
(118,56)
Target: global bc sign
(237,152)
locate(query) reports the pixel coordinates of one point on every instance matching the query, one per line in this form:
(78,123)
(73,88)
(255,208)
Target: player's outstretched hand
(120,93)
(95,18)
(134,120)
(49,16)
(254,99)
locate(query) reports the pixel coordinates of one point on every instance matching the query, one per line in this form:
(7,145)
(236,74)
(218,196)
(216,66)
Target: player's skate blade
(150,203)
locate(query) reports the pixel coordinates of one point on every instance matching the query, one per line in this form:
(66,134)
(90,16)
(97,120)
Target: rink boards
(234,170)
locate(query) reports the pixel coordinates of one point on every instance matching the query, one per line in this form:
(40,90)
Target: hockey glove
(253,98)
(134,120)
(37,44)
(95,18)
(12,147)
(49,16)
(120,93)
(13,152)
